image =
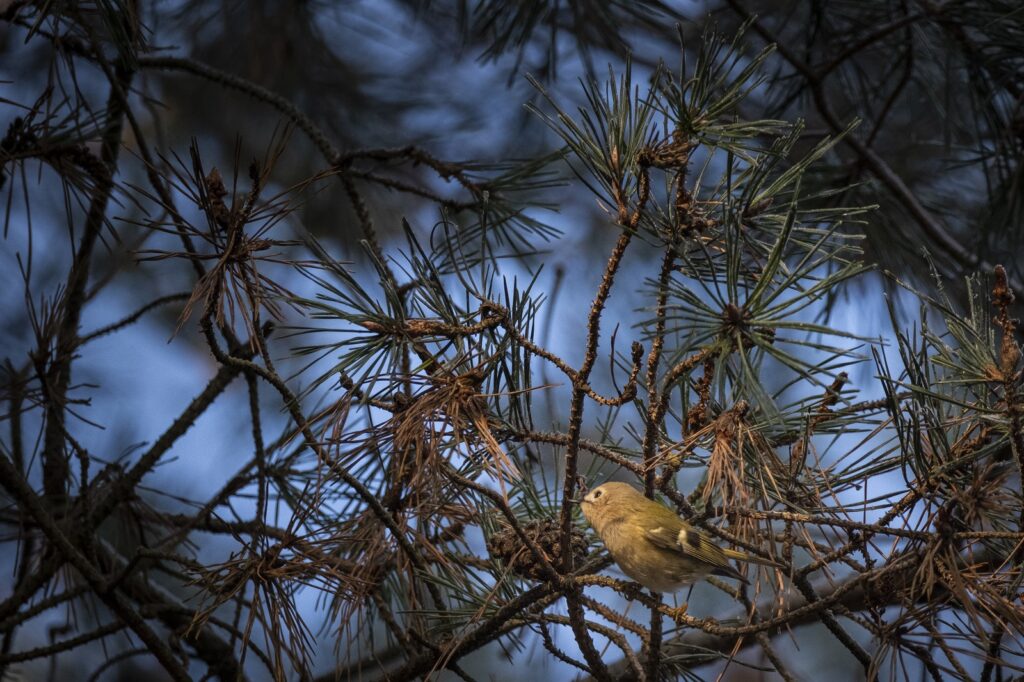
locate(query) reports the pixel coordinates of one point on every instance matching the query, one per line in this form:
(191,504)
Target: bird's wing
(690,542)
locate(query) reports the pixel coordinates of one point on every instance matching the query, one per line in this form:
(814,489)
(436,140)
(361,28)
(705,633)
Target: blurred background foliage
(937,88)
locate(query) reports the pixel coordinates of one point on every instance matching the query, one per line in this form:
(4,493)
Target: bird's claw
(678,614)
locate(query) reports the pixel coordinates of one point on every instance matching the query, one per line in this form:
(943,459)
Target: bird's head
(606,496)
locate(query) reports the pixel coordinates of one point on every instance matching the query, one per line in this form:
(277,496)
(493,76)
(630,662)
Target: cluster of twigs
(411,488)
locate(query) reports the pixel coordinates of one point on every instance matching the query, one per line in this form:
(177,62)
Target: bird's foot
(678,614)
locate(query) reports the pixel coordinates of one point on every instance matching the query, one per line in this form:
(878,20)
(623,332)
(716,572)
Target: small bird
(651,544)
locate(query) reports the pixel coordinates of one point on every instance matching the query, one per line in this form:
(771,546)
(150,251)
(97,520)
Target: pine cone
(509,547)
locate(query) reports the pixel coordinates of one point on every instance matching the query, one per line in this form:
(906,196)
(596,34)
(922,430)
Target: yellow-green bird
(651,544)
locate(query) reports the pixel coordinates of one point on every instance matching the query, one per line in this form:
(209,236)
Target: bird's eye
(597,494)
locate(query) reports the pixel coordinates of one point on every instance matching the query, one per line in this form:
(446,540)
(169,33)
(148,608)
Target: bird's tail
(751,559)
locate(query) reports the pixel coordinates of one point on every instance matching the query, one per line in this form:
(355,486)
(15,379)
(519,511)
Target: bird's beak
(575,500)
